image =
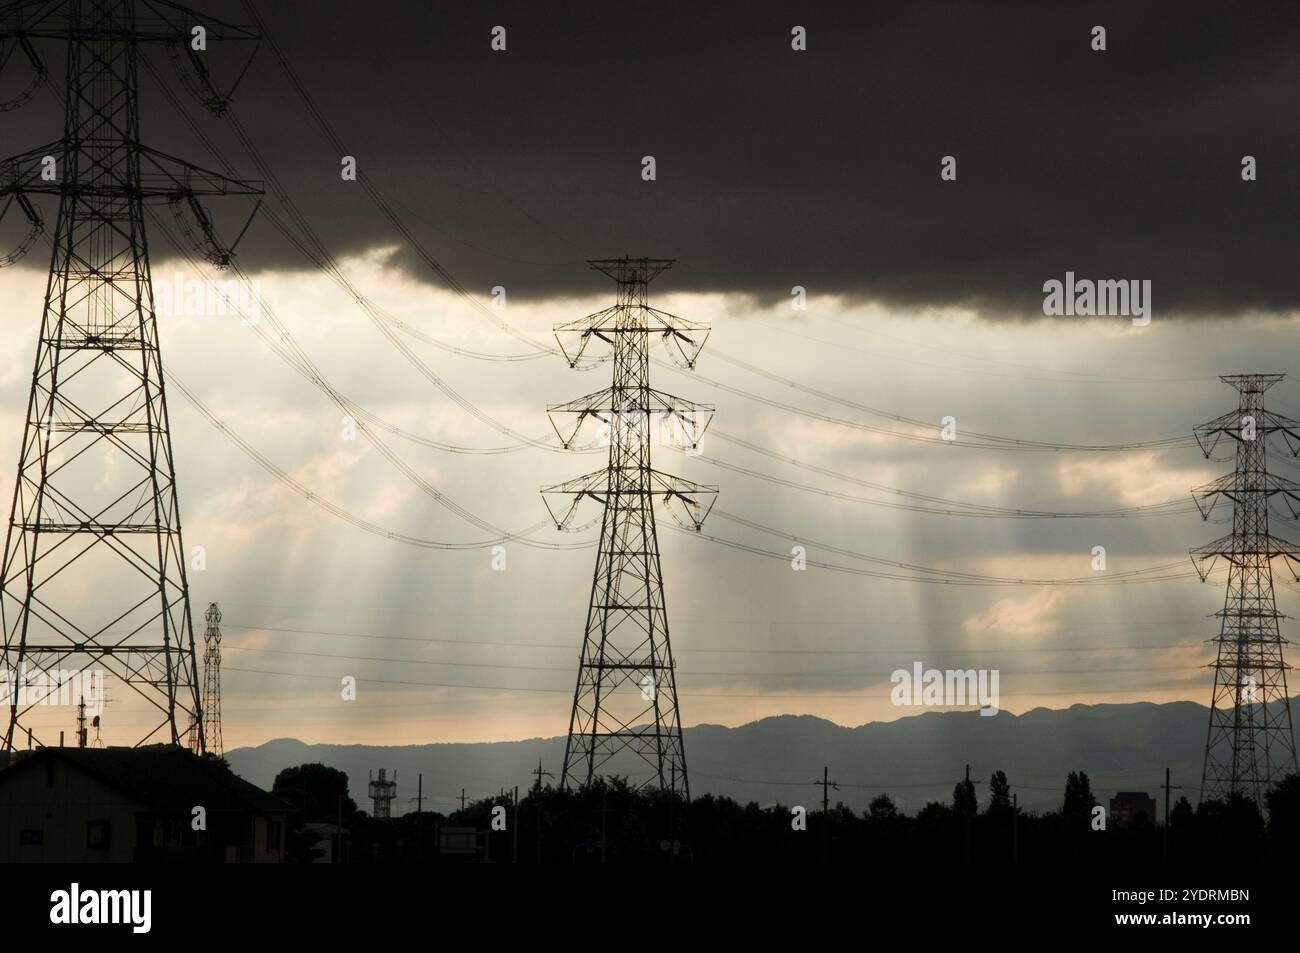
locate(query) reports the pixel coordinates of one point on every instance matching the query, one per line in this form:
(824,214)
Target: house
(89,805)
(1132,809)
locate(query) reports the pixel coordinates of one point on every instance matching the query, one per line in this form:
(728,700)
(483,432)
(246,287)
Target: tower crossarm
(1244,488)
(156,21)
(689,503)
(605,322)
(1234,426)
(1236,550)
(161,176)
(685,497)
(684,339)
(629,415)
(21,173)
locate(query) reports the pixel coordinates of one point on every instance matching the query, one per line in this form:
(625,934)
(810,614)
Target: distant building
(1132,809)
(89,805)
(328,842)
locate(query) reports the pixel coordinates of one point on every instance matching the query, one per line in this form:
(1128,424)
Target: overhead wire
(981,440)
(858,696)
(301,364)
(573,646)
(568,669)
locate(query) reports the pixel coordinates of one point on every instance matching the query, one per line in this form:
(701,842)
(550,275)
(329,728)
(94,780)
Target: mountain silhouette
(778,759)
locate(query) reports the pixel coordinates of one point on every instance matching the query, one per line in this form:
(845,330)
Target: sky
(774,169)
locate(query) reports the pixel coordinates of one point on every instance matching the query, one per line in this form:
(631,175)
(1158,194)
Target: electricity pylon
(212,681)
(626,694)
(94,566)
(1250,744)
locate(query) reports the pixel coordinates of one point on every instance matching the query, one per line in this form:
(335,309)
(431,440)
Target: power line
(930,575)
(1071,377)
(702,674)
(805,696)
(956,508)
(994,441)
(347,516)
(911,650)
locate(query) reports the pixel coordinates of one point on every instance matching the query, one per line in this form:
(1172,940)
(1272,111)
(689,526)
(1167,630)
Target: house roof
(165,777)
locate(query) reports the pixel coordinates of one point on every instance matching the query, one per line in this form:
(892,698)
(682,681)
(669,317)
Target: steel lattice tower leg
(626,695)
(94,569)
(212,681)
(1250,743)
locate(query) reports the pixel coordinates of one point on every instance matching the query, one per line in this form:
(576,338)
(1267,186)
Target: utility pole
(514,828)
(826,785)
(1015,828)
(81,722)
(419,812)
(98,391)
(538,788)
(539,774)
(966,821)
(626,698)
(537,858)
(672,827)
(1250,743)
(462,799)
(338,851)
(1168,787)
(604,810)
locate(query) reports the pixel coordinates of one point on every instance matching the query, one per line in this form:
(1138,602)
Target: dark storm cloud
(778,168)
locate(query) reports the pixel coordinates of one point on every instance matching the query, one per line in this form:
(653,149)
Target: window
(31,837)
(272,834)
(97,835)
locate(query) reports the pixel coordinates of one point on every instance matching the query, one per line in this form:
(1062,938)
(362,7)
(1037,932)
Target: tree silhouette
(1283,801)
(882,808)
(1235,821)
(999,793)
(1079,801)
(314,791)
(963,799)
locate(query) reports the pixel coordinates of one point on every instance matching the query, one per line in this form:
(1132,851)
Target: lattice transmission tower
(94,568)
(1250,744)
(626,695)
(212,681)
